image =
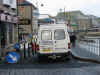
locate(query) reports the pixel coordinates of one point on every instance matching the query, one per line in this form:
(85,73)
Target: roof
(27,3)
(42,16)
(52,26)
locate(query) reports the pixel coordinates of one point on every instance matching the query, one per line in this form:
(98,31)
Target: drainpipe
(17,15)
(31,19)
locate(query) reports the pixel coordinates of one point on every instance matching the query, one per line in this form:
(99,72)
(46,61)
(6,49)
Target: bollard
(29,50)
(96,48)
(24,51)
(99,47)
(89,49)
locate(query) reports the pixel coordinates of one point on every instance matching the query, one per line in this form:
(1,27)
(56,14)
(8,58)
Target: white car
(53,41)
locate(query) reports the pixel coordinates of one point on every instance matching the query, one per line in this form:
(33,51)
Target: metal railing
(92,45)
(89,48)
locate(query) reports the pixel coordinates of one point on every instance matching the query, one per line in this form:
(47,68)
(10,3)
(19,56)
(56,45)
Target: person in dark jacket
(73,40)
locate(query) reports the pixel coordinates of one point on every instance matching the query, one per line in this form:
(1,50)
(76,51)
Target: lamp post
(65,15)
(37,14)
(17,15)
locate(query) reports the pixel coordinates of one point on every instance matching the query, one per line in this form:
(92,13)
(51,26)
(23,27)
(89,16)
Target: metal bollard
(90,48)
(29,50)
(99,47)
(24,51)
(94,50)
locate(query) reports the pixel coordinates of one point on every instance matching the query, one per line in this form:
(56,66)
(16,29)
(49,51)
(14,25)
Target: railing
(89,48)
(92,45)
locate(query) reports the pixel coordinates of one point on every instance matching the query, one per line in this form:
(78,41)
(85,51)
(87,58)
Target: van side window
(59,34)
(46,35)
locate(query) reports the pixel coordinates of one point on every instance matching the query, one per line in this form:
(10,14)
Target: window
(46,35)
(59,34)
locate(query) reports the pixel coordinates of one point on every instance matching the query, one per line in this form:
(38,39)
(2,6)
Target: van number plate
(47,50)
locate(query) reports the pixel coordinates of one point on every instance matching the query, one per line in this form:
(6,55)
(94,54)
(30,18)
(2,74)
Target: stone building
(28,21)
(8,23)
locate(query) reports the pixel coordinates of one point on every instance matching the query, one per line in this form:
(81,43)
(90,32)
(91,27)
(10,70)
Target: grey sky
(52,6)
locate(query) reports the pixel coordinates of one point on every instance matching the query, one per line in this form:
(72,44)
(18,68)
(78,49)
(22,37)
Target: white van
(53,40)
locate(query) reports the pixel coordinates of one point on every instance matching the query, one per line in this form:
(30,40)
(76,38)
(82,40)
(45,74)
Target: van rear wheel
(67,56)
(41,58)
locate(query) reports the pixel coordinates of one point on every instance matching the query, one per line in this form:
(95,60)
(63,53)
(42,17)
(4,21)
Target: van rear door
(46,43)
(60,41)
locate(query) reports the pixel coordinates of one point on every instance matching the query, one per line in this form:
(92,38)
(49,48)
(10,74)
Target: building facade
(78,20)
(8,23)
(28,22)
(83,24)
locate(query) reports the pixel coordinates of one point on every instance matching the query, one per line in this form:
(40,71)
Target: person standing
(3,44)
(73,40)
(33,45)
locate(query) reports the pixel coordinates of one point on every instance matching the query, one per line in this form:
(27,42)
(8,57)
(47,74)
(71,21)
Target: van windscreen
(59,34)
(46,35)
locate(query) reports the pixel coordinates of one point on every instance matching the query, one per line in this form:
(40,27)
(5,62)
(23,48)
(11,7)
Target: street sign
(24,21)
(12,57)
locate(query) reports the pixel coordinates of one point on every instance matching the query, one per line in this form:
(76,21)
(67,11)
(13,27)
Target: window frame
(46,30)
(64,34)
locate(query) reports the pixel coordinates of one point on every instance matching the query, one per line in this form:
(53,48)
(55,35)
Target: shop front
(7,22)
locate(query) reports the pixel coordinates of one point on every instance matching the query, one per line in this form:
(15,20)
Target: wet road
(51,67)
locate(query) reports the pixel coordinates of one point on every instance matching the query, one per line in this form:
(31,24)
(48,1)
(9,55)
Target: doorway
(2,34)
(3,38)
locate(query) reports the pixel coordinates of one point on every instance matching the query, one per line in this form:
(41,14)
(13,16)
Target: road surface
(51,67)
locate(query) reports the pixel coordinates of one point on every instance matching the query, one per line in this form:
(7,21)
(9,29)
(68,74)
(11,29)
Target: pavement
(83,53)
